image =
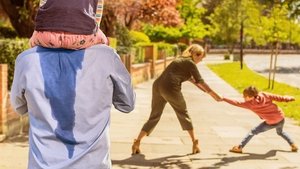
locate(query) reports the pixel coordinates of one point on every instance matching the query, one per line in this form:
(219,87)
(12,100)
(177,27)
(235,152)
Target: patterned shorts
(66,40)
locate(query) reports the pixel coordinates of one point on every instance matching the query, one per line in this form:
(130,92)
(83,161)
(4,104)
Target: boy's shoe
(236,149)
(294,148)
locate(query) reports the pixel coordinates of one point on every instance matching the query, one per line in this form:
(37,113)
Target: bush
(162,50)
(182,47)
(10,49)
(138,37)
(166,49)
(227,56)
(162,33)
(7,32)
(139,55)
(124,41)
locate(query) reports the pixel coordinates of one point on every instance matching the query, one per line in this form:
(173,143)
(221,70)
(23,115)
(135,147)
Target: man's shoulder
(94,50)
(101,50)
(26,53)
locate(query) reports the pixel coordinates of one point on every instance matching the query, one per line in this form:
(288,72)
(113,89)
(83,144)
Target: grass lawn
(240,79)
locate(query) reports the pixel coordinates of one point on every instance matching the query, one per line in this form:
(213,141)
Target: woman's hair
(194,48)
(250,91)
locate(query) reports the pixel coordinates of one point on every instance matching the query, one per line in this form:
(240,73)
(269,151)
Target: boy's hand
(292,98)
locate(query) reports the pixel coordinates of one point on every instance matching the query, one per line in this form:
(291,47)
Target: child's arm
(279,98)
(237,103)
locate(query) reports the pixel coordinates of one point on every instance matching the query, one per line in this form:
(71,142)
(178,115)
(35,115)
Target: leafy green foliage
(294,35)
(192,13)
(230,72)
(166,50)
(7,32)
(273,27)
(161,33)
(10,49)
(124,41)
(225,22)
(138,37)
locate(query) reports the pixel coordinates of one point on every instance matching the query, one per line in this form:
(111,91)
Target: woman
(167,89)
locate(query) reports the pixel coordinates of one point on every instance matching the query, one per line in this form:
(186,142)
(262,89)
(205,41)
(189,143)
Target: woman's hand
(216,96)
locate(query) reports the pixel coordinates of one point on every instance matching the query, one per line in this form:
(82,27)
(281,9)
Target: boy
(261,104)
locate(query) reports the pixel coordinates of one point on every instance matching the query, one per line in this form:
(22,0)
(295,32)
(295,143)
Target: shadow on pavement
(137,161)
(284,70)
(225,161)
(19,140)
(249,156)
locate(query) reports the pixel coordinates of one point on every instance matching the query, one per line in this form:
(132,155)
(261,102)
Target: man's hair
(250,91)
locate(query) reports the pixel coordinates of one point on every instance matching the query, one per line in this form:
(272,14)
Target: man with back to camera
(68,95)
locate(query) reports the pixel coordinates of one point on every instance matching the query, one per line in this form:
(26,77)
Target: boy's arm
(123,94)
(236,103)
(279,98)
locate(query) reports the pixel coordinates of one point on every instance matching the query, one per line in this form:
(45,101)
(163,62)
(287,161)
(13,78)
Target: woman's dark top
(180,70)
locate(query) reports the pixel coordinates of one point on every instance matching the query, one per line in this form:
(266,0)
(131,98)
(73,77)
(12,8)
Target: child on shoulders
(69,24)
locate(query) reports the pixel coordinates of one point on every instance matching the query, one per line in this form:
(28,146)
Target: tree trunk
(271,67)
(275,64)
(241,44)
(21,14)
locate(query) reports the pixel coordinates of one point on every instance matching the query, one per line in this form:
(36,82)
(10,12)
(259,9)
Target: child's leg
(284,135)
(46,39)
(262,127)
(71,41)
(66,40)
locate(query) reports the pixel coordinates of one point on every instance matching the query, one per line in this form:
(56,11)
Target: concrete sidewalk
(218,126)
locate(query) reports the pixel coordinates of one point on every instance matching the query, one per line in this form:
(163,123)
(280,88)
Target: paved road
(287,70)
(218,125)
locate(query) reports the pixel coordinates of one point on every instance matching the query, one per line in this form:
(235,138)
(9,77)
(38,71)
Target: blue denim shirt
(68,95)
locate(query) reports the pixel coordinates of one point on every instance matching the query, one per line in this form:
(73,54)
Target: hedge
(10,49)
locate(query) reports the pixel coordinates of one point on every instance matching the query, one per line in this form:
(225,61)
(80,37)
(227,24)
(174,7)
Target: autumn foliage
(161,12)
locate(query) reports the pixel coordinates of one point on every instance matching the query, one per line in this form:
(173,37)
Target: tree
(130,13)
(21,14)
(274,29)
(124,12)
(226,24)
(210,6)
(191,13)
(230,19)
(161,12)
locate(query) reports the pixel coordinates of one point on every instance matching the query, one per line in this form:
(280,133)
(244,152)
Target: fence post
(129,62)
(3,99)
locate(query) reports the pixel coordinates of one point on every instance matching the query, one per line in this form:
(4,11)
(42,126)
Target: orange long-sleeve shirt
(263,106)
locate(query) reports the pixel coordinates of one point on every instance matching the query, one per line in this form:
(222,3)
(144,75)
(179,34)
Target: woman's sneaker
(294,148)
(236,149)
